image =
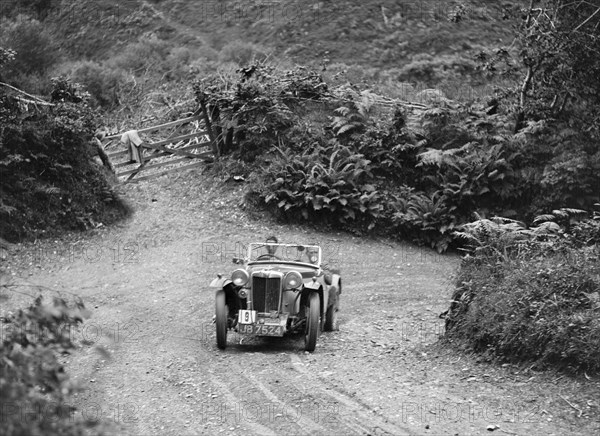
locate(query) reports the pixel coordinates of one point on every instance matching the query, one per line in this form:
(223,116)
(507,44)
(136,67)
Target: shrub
(35,51)
(103,83)
(141,56)
(254,114)
(35,389)
(6,56)
(330,185)
(49,180)
(528,294)
(427,220)
(586,233)
(542,310)
(571,179)
(431,169)
(433,70)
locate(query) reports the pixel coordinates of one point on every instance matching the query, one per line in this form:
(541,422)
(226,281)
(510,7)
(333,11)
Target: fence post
(211,134)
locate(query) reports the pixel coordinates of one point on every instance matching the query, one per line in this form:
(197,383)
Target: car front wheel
(221,319)
(312,322)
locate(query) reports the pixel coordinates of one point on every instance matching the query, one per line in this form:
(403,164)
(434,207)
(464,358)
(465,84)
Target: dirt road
(148,362)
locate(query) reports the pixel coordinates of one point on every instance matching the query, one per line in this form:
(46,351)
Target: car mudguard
(219,282)
(313,285)
(335,280)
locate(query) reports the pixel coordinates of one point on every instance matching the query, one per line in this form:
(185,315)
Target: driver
(271,247)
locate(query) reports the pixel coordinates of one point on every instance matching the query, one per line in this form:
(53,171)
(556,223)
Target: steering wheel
(267,256)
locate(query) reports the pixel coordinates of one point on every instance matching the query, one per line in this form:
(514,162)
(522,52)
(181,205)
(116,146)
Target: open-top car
(279,289)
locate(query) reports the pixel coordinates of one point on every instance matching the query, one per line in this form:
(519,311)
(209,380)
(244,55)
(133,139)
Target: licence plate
(247,316)
(261,329)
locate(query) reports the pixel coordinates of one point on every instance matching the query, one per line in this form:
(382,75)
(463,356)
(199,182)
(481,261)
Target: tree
(560,51)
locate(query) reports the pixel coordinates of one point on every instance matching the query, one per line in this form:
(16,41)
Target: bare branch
(586,20)
(28,95)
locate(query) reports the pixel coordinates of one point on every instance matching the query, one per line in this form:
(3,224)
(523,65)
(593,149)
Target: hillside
(386,41)
(384,34)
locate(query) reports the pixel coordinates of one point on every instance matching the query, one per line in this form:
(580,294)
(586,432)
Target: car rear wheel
(221,310)
(312,322)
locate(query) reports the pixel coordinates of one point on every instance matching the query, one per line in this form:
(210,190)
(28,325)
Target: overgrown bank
(50,180)
(533,296)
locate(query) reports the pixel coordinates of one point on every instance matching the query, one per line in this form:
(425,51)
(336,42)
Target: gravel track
(148,361)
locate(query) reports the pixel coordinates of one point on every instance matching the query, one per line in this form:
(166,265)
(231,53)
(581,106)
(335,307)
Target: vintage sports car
(280,289)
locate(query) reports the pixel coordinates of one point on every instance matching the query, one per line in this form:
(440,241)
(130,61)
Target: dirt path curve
(148,362)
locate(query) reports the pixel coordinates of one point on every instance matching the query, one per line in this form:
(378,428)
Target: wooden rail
(160,126)
(182,151)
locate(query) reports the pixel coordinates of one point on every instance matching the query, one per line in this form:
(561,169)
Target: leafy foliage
(560,50)
(354,116)
(250,111)
(530,294)
(49,180)
(330,185)
(63,90)
(431,170)
(35,389)
(33,50)
(105,84)
(6,55)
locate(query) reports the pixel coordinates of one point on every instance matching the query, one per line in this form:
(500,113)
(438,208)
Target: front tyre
(312,322)
(221,311)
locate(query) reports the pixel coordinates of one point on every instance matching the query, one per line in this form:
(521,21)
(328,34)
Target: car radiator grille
(265,294)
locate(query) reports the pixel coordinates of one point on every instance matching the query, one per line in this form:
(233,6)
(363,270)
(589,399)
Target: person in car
(271,248)
(312,255)
(271,244)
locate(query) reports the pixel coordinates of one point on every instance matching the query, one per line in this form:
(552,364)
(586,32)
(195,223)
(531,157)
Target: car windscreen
(284,252)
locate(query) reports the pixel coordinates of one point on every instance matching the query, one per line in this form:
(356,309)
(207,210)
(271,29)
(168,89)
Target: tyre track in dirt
(233,400)
(360,412)
(306,404)
(279,373)
(310,426)
(244,386)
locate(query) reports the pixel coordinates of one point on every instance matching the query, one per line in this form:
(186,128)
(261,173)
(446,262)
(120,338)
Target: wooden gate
(185,142)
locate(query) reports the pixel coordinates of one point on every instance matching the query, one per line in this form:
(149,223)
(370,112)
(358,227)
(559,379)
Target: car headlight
(292,280)
(240,277)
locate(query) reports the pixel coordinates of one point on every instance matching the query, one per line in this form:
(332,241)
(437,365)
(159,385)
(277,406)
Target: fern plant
(355,115)
(471,177)
(426,219)
(564,216)
(331,183)
(497,236)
